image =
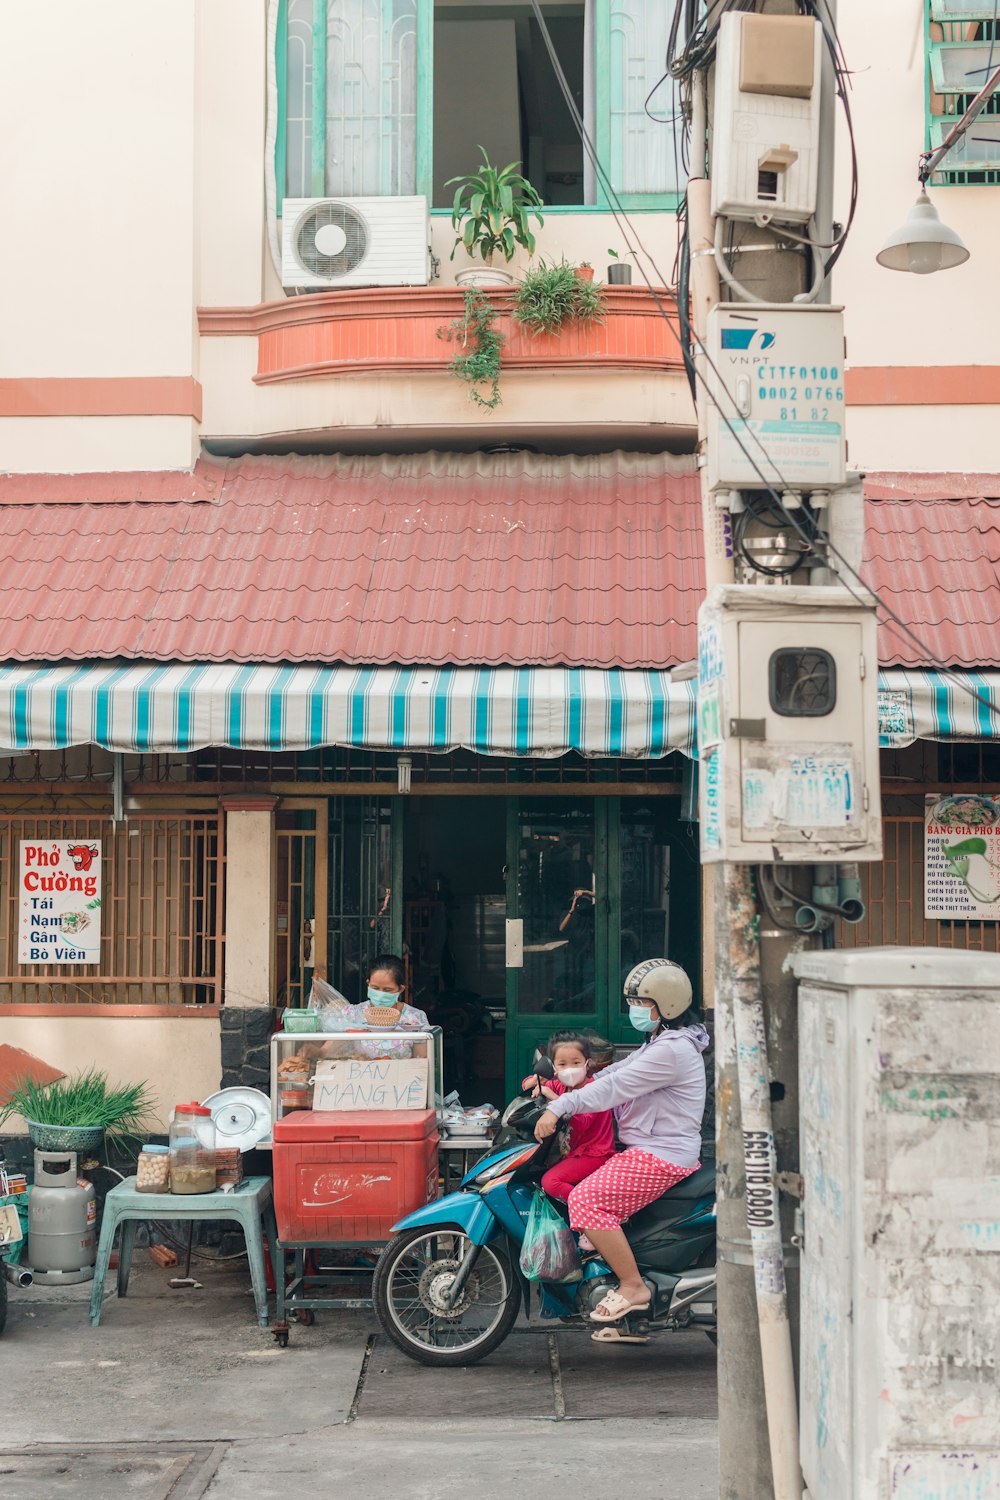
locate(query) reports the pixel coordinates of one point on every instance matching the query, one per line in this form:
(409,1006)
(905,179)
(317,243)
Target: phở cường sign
(59,902)
(962,858)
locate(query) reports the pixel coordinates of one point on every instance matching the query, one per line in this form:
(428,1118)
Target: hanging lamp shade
(922,243)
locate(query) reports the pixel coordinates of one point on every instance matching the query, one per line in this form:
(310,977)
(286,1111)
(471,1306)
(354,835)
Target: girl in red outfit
(591,1136)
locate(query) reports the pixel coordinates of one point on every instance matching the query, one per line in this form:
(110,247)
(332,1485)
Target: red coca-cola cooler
(349,1175)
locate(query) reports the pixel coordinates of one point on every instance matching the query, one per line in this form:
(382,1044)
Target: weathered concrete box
(900,1129)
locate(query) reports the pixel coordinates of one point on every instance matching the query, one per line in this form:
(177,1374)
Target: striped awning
(531,711)
(933,705)
(536,711)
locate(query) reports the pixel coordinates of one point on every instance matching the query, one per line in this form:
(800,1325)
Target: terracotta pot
(584,273)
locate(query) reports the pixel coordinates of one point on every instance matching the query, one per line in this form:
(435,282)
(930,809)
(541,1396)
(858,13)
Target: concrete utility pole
(758,1458)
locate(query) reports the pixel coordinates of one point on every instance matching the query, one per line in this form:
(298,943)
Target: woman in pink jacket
(658,1097)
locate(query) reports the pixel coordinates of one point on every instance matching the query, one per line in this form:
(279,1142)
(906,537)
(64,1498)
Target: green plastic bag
(549,1251)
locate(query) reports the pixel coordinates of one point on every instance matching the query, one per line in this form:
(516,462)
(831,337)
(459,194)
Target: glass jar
(192,1150)
(152,1174)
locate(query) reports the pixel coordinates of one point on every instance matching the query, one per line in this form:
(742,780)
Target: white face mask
(571,1076)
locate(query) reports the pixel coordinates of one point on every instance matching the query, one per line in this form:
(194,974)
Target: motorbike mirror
(543,1066)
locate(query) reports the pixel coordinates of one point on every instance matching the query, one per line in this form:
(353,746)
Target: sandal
(615,1308)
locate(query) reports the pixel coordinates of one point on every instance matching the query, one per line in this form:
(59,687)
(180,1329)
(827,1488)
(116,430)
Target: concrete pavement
(179,1396)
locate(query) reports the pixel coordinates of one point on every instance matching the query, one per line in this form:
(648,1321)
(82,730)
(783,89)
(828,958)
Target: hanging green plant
(483,345)
(553,294)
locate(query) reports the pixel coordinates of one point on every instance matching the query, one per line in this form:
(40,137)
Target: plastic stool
(251,1205)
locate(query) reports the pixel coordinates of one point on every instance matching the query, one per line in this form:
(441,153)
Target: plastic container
(192,1150)
(152,1174)
(348,1175)
(301,1021)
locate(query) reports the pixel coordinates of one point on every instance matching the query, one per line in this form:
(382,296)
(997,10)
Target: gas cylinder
(62,1214)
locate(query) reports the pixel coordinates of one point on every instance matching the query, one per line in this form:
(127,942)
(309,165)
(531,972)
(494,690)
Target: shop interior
(454,934)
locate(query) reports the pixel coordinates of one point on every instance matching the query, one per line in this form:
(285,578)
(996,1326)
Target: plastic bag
(328,1001)
(549,1251)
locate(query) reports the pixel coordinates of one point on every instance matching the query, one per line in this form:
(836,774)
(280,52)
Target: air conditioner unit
(332,242)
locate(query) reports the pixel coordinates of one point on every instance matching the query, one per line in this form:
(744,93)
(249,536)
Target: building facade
(326,657)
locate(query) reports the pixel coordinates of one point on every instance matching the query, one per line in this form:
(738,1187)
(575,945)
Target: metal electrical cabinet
(899,1056)
(776,417)
(787,726)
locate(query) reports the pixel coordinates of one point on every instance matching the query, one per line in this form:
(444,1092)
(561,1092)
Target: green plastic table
(251,1205)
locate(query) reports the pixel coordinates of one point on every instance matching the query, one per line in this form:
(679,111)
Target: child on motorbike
(591,1136)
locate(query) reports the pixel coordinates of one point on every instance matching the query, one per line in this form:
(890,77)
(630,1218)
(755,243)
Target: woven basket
(65,1137)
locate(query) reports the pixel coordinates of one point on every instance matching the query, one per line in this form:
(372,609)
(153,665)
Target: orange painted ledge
(334,333)
(923,385)
(102,396)
(108,1008)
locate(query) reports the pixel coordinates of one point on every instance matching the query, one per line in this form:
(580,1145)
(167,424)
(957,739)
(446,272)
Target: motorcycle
(448,1287)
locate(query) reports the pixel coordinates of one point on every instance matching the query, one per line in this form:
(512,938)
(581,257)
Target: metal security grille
(893,893)
(162,916)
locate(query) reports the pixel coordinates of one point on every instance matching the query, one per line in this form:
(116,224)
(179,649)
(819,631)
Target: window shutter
(642,155)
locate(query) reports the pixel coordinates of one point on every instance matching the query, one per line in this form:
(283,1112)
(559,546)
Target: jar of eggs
(152,1174)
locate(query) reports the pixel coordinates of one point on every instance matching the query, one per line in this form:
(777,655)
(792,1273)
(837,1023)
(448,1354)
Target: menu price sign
(59,902)
(962,858)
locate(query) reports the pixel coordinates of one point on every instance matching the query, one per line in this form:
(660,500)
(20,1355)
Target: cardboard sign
(59,902)
(367,1083)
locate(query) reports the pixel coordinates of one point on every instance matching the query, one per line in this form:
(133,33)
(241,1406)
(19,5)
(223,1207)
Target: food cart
(355,1130)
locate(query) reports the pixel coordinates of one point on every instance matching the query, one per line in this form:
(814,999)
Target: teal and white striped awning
(537,711)
(914,704)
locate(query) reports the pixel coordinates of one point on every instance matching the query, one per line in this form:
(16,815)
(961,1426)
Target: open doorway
(454,932)
(494,86)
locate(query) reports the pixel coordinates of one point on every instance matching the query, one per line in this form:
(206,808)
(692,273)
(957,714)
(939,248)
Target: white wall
(179,1056)
(893,319)
(97,117)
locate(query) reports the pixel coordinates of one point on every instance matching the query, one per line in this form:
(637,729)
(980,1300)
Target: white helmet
(664,983)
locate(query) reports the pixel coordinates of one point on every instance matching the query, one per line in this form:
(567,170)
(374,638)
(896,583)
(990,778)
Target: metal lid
(881,968)
(242,1117)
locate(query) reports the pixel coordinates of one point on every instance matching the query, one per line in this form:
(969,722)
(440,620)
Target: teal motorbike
(448,1287)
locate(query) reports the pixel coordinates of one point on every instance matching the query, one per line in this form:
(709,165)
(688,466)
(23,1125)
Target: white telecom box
(899,1089)
(765,127)
(788,726)
(776,409)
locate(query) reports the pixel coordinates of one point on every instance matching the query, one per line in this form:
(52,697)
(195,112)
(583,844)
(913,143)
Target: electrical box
(899,1093)
(776,408)
(765,126)
(788,726)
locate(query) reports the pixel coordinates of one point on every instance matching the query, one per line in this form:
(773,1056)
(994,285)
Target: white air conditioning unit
(333,242)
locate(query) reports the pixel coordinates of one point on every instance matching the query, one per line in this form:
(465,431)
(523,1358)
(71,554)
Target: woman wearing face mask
(658,1096)
(591,1136)
(383,1009)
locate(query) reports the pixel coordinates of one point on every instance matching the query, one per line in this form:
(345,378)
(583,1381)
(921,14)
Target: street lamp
(922,243)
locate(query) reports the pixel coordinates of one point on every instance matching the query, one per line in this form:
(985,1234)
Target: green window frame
(615,110)
(961,40)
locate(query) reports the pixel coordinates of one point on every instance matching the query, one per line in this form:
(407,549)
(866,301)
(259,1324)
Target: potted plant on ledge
(490,214)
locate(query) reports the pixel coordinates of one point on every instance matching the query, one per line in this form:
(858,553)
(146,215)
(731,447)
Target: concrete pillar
(250,888)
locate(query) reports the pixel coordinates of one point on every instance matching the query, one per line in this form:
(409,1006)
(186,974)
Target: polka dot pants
(626,1183)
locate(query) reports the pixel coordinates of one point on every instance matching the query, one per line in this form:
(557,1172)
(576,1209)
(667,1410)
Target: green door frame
(605,1017)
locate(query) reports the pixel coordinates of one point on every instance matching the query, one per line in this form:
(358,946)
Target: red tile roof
(440,558)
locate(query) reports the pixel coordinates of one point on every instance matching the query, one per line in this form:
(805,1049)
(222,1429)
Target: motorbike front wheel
(414,1272)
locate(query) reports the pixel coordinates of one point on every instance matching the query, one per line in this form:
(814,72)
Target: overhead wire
(636,247)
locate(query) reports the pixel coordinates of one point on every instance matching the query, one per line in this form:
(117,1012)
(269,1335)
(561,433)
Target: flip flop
(614,1335)
(617,1307)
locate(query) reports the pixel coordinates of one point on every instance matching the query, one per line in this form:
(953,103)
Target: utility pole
(755,1001)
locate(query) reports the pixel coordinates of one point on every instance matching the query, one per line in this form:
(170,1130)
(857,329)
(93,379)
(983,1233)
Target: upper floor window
(963,49)
(380,97)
